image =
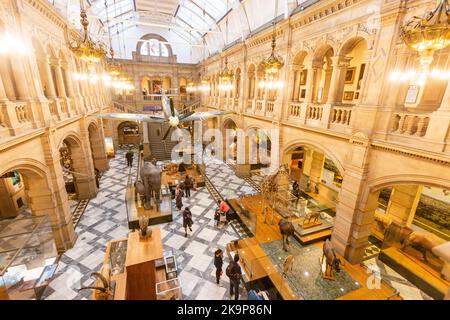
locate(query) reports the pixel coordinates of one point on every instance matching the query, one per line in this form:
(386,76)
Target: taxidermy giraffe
(269,188)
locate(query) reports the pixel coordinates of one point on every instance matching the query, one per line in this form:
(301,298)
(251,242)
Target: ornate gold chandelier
(429,34)
(273,64)
(191,87)
(226,78)
(86,49)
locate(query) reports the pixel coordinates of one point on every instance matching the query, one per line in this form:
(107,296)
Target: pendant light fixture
(273,64)
(204,86)
(113,68)
(86,49)
(426,35)
(226,76)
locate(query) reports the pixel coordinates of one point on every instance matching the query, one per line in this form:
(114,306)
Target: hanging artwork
(157,87)
(350,75)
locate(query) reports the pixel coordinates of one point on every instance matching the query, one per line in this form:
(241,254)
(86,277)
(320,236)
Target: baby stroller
(220,217)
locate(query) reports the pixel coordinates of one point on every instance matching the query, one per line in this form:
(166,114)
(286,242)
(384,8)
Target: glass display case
(27,257)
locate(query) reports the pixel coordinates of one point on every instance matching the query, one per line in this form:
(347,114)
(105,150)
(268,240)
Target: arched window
(154,48)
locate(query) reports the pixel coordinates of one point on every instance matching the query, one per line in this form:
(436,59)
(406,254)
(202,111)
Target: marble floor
(105,219)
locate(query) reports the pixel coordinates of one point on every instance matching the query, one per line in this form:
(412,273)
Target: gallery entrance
(411,233)
(128,133)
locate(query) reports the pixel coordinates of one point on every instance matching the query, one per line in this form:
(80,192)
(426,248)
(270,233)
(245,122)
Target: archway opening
(29,245)
(317,174)
(128,133)
(409,230)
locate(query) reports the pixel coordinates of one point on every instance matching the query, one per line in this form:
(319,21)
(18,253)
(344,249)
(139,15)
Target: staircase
(161,150)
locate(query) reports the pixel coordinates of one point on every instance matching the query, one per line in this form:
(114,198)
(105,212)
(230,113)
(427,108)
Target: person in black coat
(129,155)
(188,184)
(187,220)
(218,263)
(235,277)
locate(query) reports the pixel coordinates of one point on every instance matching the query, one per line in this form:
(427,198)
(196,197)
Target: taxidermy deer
(332,261)
(286,230)
(102,286)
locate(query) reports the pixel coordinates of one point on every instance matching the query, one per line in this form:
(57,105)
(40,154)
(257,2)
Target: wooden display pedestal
(140,265)
(311,224)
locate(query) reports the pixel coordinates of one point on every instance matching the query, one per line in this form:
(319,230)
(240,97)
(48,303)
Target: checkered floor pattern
(78,211)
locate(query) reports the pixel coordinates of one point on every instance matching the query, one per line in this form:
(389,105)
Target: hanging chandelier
(87,50)
(191,88)
(204,86)
(428,34)
(226,78)
(273,64)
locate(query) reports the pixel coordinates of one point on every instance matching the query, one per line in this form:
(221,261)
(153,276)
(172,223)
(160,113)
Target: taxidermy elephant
(333,262)
(151,181)
(286,230)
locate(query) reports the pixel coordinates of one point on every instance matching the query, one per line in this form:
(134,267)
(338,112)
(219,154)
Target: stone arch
(156,37)
(322,70)
(82,172)
(314,145)
(300,74)
(42,199)
(132,139)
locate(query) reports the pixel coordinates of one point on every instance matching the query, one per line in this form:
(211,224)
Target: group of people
(233,272)
(183,190)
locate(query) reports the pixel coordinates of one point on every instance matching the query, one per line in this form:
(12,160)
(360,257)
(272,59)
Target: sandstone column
(403,203)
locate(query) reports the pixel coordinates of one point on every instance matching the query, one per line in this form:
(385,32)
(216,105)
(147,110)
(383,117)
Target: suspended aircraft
(171,115)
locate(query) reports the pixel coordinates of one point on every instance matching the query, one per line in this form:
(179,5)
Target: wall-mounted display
(303,94)
(350,75)
(348,95)
(412,94)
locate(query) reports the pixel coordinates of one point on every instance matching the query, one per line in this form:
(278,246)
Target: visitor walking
(234,273)
(218,263)
(187,186)
(178,197)
(187,220)
(129,156)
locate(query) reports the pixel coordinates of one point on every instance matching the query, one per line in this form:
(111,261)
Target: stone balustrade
(295,109)
(341,115)
(23,112)
(410,124)
(270,107)
(314,112)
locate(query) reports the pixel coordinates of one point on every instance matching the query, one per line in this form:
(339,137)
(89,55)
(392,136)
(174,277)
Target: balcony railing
(314,112)
(341,115)
(410,124)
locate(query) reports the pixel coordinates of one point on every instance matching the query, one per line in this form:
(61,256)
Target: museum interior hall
(224,150)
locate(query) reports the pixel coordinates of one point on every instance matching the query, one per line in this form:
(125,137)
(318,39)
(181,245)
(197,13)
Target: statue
(150,185)
(332,261)
(286,230)
(102,286)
